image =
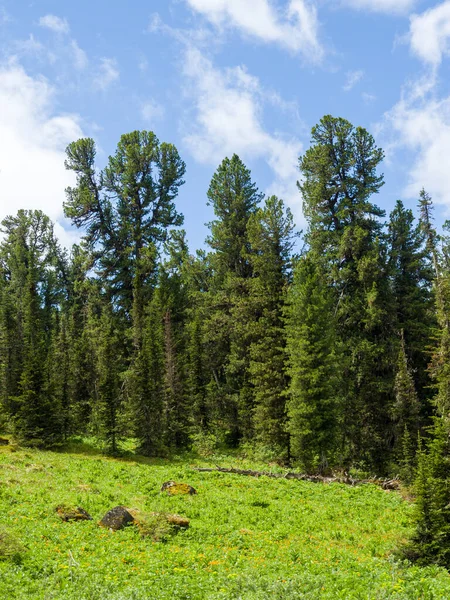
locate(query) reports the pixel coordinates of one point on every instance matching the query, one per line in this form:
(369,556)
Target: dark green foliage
(227,312)
(344,235)
(270,232)
(32,270)
(340,362)
(406,414)
(314,401)
(109,390)
(146,381)
(431,542)
(411,275)
(234,198)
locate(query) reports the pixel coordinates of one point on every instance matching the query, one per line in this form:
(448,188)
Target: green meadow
(248,538)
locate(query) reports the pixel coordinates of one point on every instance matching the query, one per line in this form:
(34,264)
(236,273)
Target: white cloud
(352,78)
(34,136)
(421,123)
(430,33)
(382,6)
(295,28)
(228,119)
(29,46)
(368,98)
(62,50)
(55,24)
(107,74)
(151,111)
(79,56)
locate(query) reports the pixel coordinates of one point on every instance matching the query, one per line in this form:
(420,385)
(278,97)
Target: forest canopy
(333,357)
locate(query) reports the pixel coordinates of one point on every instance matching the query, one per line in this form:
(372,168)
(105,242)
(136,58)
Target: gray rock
(116,518)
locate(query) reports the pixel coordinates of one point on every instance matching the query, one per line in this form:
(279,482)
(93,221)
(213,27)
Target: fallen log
(386,484)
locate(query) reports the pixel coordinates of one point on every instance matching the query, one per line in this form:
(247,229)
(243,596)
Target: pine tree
(344,234)
(127,209)
(143,178)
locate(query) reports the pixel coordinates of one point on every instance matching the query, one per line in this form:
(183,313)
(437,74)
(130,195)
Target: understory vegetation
(326,351)
(248,538)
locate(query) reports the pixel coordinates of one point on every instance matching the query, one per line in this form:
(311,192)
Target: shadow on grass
(91,447)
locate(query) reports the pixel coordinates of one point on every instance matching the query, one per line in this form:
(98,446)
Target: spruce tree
(431,542)
(32,263)
(270,232)
(406,414)
(147,375)
(340,174)
(234,198)
(173,288)
(313,403)
(109,397)
(411,277)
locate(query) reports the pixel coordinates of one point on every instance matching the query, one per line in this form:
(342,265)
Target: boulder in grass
(178,489)
(117,518)
(160,526)
(71,513)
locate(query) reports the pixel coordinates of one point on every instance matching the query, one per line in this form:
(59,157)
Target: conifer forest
(326,350)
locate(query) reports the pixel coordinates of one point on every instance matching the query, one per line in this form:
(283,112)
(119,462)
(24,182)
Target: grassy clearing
(248,538)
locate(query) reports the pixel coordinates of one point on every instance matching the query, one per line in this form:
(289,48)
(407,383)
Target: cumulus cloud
(430,34)
(79,56)
(55,24)
(228,119)
(420,123)
(107,74)
(34,136)
(382,6)
(151,111)
(296,27)
(352,78)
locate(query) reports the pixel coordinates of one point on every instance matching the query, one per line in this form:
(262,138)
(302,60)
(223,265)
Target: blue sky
(221,76)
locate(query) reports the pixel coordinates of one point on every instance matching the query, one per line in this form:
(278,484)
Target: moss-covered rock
(177,489)
(72,513)
(159,526)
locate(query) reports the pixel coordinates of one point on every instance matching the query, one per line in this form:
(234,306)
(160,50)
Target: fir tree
(344,234)
(313,404)
(270,232)
(406,414)
(32,262)
(234,198)
(411,276)
(109,393)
